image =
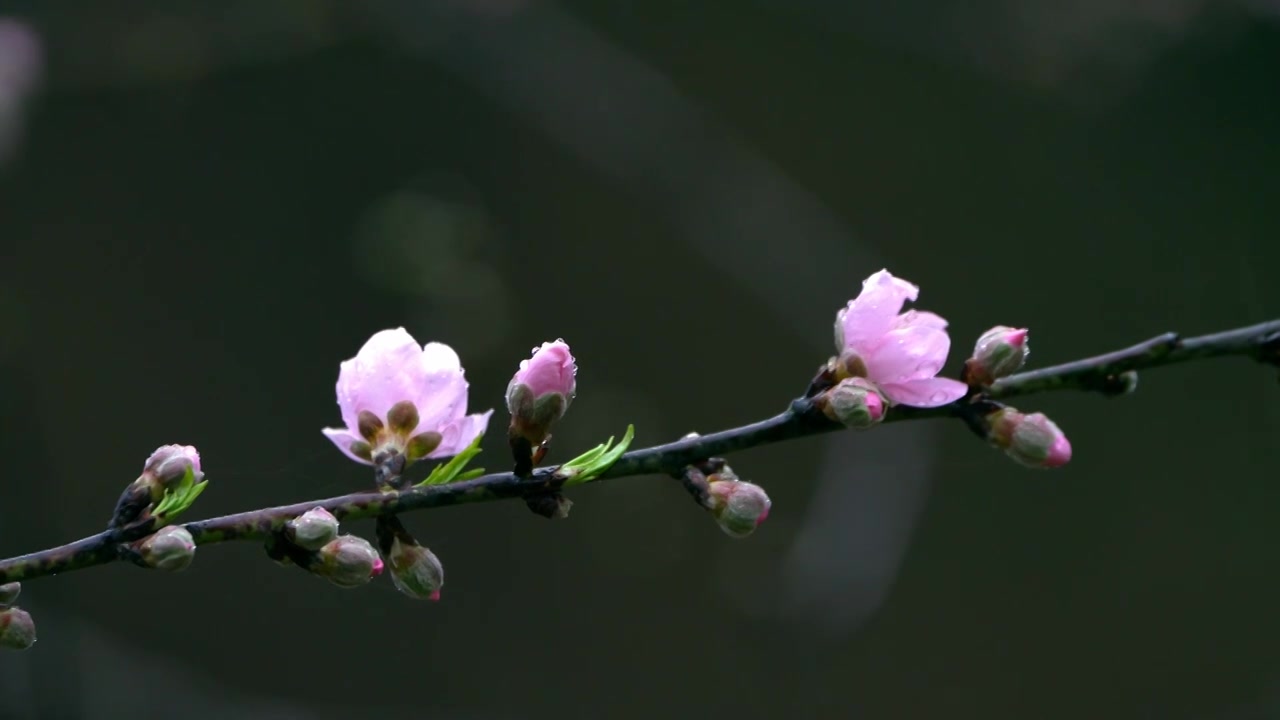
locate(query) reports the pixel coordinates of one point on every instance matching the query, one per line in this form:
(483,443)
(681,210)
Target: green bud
(17,629)
(312,529)
(169,549)
(415,570)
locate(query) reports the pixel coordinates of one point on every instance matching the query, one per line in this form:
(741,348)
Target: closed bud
(415,570)
(853,402)
(312,529)
(169,464)
(348,561)
(739,507)
(1001,351)
(1032,440)
(17,629)
(170,549)
(166,467)
(9,593)
(541,390)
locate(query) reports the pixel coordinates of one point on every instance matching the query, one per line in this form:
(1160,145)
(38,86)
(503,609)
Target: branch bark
(1100,373)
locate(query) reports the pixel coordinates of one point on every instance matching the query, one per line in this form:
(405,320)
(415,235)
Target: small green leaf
(451,471)
(593,463)
(471,474)
(179,497)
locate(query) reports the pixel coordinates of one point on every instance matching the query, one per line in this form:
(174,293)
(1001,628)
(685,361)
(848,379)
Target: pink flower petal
(343,439)
(363,380)
(550,370)
(872,313)
(926,392)
(440,389)
(918,318)
(456,436)
(909,354)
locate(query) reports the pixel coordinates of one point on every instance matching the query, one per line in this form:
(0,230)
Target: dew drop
(938,397)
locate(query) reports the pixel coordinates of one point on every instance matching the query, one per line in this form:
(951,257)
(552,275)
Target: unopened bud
(312,529)
(170,549)
(550,505)
(9,593)
(541,390)
(739,507)
(415,570)
(169,463)
(853,402)
(348,561)
(1001,351)
(1033,440)
(17,629)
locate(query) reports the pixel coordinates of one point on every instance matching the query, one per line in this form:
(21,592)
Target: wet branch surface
(1101,373)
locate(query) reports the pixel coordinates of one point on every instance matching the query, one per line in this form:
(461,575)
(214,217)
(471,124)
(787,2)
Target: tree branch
(1099,373)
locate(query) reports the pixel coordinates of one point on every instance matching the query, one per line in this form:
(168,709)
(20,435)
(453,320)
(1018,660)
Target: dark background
(204,207)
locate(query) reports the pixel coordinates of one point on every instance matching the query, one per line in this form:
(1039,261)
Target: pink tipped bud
(1033,440)
(1001,351)
(312,529)
(541,390)
(415,570)
(169,549)
(348,561)
(739,507)
(853,402)
(169,464)
(9,593)
(17,629)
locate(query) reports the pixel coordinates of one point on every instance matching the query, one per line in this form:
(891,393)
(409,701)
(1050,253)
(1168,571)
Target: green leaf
(451,471)
(179,497)
(594,462)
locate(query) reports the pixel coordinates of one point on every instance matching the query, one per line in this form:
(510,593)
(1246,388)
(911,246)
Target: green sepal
(179,497)
(452,471)
(593,463)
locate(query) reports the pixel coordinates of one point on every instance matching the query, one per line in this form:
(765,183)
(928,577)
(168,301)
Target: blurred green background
(205,206)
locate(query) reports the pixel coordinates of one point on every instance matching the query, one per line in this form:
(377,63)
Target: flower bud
(9,593)
(853,402)
(999,352)
(415,570)
(348,561)
(166,467)
(312,529)
(1032,440)
(169,463)
(739,507)
(17,629)
(170,549)
(541,390)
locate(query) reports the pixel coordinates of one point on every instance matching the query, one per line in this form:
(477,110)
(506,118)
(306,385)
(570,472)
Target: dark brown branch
(1262,342)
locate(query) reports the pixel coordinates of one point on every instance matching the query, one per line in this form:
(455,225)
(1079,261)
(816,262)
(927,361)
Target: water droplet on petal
(938,397)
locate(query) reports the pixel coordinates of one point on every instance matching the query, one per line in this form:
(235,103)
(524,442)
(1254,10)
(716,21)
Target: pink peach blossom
(392,368)
(901,352)
(540,391)
(550,370)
